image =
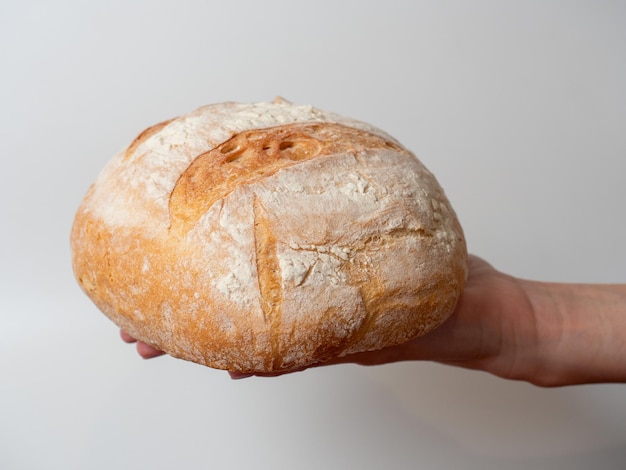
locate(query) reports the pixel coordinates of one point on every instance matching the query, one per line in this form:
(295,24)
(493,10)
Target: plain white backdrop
(519,108)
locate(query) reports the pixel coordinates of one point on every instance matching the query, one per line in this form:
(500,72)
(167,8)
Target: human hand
(492,313)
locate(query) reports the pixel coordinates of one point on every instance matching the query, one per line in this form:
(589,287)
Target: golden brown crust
(275,248)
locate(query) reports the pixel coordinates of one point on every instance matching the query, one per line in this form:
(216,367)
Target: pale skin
(548,334)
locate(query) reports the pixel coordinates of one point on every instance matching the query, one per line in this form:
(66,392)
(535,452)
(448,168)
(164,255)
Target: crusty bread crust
(268,237)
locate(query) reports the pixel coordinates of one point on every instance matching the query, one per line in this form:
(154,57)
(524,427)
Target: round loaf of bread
(267,237)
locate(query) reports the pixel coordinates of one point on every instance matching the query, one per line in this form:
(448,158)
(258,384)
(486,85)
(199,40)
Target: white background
(519,108)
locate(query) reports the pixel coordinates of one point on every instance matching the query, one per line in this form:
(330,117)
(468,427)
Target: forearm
(580,334)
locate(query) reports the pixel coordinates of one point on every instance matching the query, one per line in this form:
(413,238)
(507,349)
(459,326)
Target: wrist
(580,334)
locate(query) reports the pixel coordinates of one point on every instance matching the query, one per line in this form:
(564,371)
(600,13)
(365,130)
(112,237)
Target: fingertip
(239,375)
(126,337)
(146,351)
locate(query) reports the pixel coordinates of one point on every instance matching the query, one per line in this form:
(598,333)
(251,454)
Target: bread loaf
(267,237)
